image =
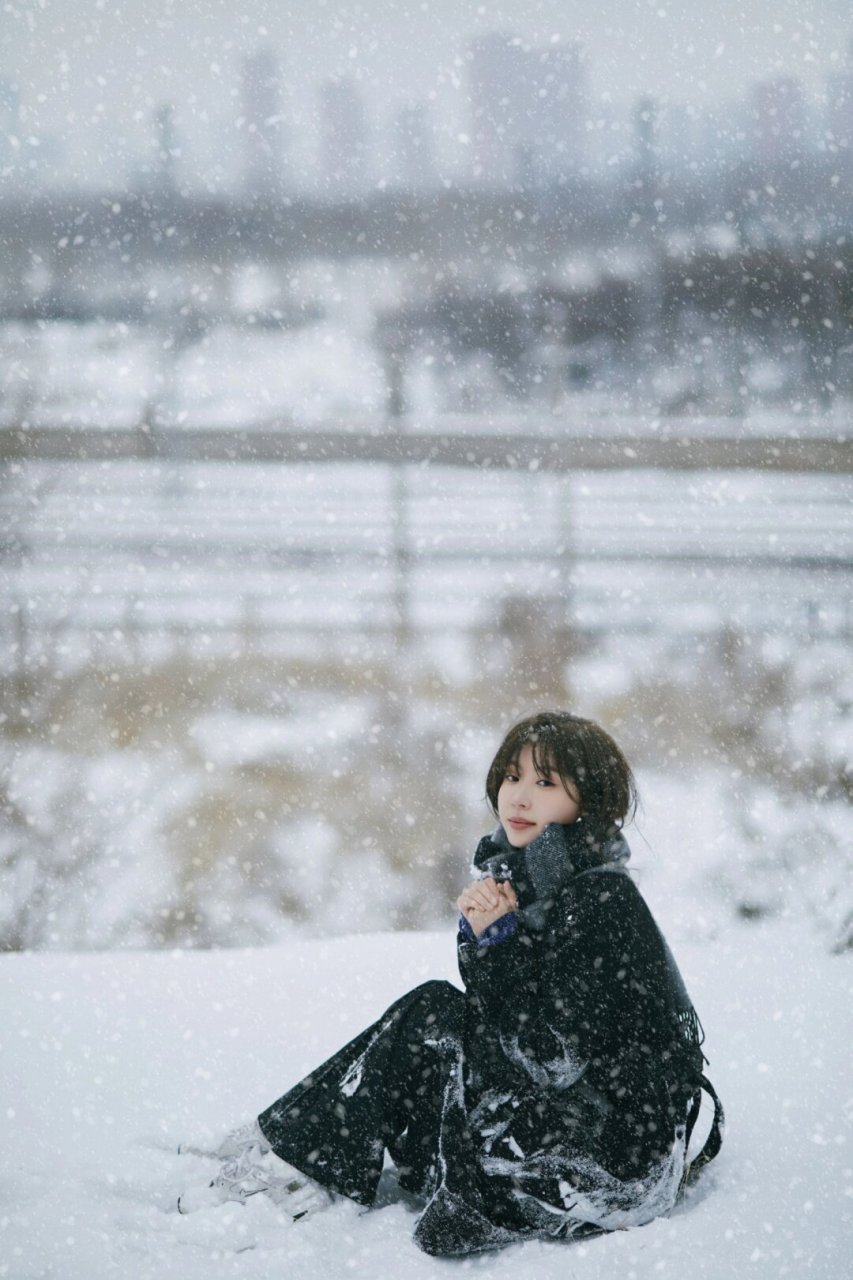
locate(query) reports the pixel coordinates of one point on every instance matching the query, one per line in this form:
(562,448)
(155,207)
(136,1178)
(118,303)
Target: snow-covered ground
(110,1059)
(327,367)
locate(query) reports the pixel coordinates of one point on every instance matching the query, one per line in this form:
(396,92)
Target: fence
(215,538)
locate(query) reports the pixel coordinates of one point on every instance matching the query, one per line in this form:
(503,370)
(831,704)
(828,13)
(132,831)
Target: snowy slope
(110,1059)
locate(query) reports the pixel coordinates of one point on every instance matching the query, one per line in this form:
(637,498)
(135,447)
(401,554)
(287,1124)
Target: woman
(554,1097)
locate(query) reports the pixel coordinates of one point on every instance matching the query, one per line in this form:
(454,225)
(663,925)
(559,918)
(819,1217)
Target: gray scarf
(541,870)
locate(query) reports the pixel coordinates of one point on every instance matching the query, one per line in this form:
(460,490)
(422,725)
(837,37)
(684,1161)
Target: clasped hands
(482,902)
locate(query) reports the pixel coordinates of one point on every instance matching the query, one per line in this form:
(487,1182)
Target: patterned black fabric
(549,1099)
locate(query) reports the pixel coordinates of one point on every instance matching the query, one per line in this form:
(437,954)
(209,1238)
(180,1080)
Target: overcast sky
(86,68)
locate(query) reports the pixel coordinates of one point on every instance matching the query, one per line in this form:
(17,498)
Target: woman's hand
(484,901)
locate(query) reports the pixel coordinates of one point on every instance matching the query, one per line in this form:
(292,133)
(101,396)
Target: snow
(322,367)
(157,775)
(111,1059)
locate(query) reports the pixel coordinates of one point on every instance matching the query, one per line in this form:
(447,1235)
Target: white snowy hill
(110,1059)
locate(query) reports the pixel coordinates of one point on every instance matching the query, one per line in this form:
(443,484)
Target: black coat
(550,1099)
(590,1002)
(580,1053)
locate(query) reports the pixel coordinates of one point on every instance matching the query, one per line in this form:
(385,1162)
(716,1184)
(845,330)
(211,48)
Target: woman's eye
(544,782)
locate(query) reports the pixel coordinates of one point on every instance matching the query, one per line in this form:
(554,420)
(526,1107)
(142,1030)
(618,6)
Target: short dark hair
(583,754)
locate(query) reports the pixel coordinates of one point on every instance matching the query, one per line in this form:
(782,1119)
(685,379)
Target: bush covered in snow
(227,802)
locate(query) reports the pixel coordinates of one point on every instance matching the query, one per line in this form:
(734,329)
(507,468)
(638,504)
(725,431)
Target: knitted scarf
(541,870)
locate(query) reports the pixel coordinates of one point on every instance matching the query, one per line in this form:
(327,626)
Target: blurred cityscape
(681,258)
(533,125)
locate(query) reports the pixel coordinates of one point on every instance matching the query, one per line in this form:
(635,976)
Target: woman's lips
(521,823)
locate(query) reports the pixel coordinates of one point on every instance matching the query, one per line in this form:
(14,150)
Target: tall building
(727,132)
(167,146)
(263,130)
(10,127)
(839,103)
(413,153)
(528,111)
(555,128)
(645,137)
(679,136)
(779,120)
(343,138)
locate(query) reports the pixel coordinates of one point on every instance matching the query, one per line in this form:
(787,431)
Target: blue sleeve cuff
(498,931)
(466,930)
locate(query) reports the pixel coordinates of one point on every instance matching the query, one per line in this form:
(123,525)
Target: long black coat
(550,1099)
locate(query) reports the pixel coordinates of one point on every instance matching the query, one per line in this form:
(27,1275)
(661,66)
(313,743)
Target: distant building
(10,131)
(693,139)
(726,135)
(10,104)
(645,138)
(559,108)
(679,136)
(413,150)
(343,138)
(839,104)
(167,147)
(528,111)
(778,120)
(497,96)
(263,124)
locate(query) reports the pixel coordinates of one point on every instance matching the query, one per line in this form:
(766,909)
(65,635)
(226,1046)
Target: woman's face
(528,801)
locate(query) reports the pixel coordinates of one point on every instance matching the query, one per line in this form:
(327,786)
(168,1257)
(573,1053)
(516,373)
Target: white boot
(254,1172)
(248,1135)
